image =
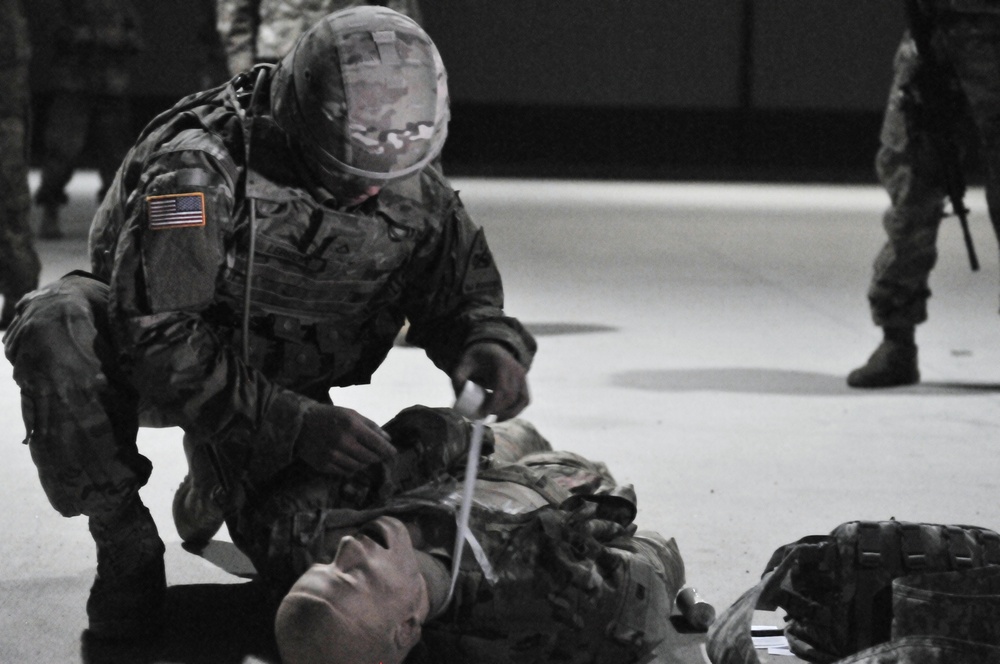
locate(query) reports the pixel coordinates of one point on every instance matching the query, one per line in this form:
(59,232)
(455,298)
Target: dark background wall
(762,89)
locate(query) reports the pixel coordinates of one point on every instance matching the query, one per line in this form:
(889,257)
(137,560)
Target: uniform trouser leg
(907,169)
(112,126)
(973,45)
(66,127)
(81,419)
(80,416)
(19,264)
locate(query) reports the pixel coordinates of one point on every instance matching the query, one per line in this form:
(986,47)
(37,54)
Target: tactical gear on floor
(906,592)
(891,364)
(197,514)
(126,600)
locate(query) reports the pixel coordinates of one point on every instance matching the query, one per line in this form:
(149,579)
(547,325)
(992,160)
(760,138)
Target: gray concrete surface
(695,337)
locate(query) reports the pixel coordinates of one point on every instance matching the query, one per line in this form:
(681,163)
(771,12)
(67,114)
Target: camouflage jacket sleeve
(238,22)
(179,226)
(456,295)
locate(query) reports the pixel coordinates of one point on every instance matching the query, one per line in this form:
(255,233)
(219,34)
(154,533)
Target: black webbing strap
(869,544)
(869,562)
(911,540)
(958,547)
(990,541)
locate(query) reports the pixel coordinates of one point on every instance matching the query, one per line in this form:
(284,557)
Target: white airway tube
(468,404)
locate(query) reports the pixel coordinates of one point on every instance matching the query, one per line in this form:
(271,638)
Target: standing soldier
(93,42)
(19,264)
(262,243)
(256,31)
(961,53)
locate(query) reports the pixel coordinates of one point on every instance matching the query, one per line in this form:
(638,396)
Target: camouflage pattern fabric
(966,36)
(331,286)
(265,30)
(19,264)
(569,581)
(331,289)
(961,605)
(875,592)
(80,415)
(94,41)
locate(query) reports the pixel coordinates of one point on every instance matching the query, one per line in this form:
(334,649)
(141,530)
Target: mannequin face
(368,604)
(375,566)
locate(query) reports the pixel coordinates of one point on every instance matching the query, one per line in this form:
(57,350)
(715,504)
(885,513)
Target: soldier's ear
(407,634)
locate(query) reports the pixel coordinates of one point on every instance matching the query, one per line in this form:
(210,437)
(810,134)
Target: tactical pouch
(837,590)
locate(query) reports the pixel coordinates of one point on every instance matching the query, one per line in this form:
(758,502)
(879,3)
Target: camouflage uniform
(19,265)
(331,288)
(561,575)
(966,34)
(264,30)
(93,42)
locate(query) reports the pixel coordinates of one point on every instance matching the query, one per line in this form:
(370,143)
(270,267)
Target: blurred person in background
(93,43)
(19,264)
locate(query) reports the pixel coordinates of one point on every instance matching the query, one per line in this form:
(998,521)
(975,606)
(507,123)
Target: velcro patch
(176,210)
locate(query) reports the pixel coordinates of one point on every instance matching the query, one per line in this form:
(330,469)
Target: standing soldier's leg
(19,264)
(973,45)
(82,421)
(113,136)
(899,288)
(66,126)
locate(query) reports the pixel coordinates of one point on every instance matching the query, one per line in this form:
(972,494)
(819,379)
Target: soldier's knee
(59,336)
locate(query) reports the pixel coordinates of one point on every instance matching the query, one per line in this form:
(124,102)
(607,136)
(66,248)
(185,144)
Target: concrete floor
(693,336)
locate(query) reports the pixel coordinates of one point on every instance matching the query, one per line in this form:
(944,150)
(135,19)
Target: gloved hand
(494,367)
(341,441)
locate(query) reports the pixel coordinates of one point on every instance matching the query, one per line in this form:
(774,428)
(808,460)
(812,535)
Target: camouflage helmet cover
(363,92)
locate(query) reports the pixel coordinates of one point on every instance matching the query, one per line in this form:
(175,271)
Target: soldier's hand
(341,441)
(495,368)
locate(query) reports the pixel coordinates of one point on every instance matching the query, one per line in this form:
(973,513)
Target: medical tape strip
(463,534)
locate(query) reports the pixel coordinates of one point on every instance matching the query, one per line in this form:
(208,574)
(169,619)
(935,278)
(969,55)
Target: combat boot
(197,513)
(50,228)
(893,363)
(126,600)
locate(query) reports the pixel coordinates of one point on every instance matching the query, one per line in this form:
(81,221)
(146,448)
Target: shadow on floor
(205,624)
(775,381)
(555,329)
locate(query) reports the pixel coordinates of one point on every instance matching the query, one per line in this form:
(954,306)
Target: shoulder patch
(176,210)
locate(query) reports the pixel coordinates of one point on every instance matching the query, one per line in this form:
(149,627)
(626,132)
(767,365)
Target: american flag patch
(176,210)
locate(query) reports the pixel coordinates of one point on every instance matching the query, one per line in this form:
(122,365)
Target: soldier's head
(363,97)
(367,606)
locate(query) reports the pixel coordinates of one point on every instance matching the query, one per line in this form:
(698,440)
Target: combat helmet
(363,93)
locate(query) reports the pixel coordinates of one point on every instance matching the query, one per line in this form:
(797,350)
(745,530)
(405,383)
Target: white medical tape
(468,489)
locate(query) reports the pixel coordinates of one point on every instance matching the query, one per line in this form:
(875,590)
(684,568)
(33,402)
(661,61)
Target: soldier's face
(355,191)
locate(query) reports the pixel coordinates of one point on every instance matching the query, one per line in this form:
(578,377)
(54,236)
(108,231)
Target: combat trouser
(72,119)
(908,168)
(19,264)
(79,412)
